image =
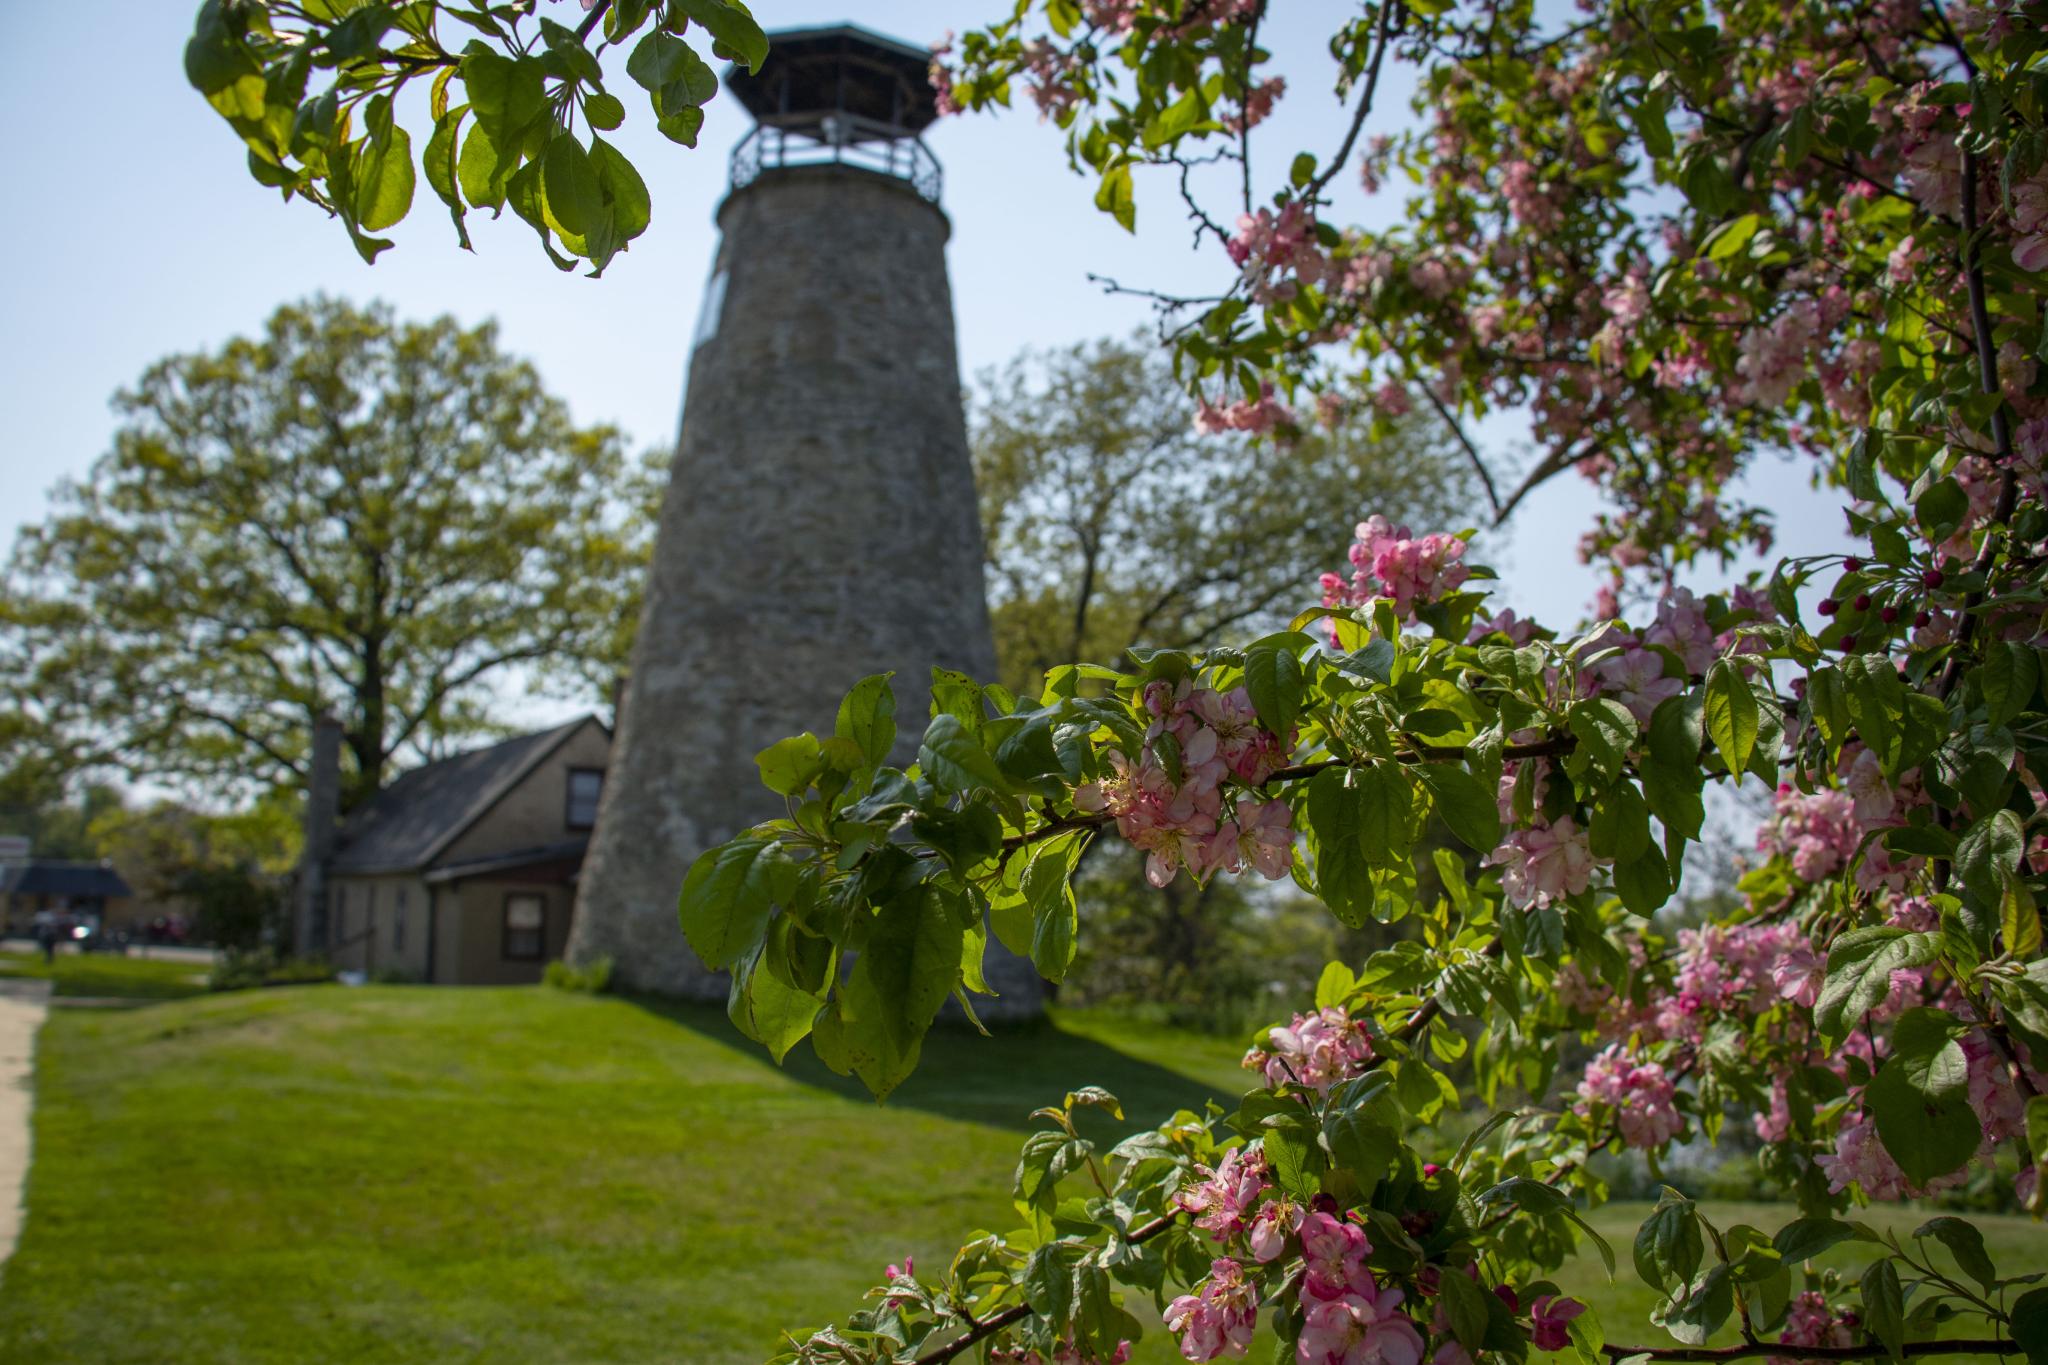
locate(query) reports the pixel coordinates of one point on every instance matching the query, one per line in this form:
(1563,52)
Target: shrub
(594,979)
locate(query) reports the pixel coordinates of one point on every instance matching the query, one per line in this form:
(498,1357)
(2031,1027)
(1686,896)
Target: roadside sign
(14,848)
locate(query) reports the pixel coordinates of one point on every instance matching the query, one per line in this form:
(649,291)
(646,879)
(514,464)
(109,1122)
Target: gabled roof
(75,880)
(412,821)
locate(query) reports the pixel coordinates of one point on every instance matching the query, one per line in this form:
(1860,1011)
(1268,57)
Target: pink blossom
(1810,1322)
(1364,1327)
(1314,1050)
(1269,1229)
(1333,1256)
(1550,1320)
(1635,678)
(1682,628)
(1224,1198)
(1221,1319)
(1390,561)
(1544,863)
(1258,103)
(1260,415)
(1638,1093)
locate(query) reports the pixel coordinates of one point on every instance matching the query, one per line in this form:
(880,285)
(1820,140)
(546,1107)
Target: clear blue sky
(138,233)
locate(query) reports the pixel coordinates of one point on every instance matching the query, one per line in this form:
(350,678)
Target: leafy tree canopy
(1110,521)
(387,521)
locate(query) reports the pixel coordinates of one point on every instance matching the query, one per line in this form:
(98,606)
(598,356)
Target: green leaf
(1884,1308)
(1176,120)
(1273,678)
(770,1002)
(382,174)
(682,126)
(1668,1246)
(1386,805)
(1464,1303)
(1472,812)
(483,174)
(867,716)
(1860,967)
(1729,238)
(1049,891)
(1620,828)
(439,162)
(1920,1098)
(954,760)
(1990,850)
(2030,1325)
(1731,714)
(1342,877)
(733,31)
(1966,1244)
(1115,197)
(665,66)
(2007,677)
(1643,882)
(605,112)
(789,765)
(1604,729)
(1809,1237)
(625,193)
(572,201)
(904,973)
(1700,1314)
(507,95)
(727,899)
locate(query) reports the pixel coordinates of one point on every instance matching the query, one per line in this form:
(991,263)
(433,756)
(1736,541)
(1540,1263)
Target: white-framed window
(526,927)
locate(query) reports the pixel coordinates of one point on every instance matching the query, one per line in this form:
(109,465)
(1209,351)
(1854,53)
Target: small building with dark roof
(463,871)
(67,888)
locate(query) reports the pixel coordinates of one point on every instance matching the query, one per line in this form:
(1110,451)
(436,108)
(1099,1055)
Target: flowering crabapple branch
(986,1327)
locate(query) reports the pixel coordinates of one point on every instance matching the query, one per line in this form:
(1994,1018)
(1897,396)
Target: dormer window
(585,785)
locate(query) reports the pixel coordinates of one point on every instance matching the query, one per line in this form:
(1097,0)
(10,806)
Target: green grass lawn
(399,1174)
(106,975)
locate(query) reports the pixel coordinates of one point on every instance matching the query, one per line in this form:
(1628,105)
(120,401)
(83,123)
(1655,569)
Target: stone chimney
(323,819)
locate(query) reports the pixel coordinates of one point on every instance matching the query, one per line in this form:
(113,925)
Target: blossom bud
(1852,564)
(1848,644)
(1862,601)
(1888,614)
(1933,578)
(1921,618)
(1829,606)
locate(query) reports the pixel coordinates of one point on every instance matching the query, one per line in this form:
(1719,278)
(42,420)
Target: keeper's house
(461,872)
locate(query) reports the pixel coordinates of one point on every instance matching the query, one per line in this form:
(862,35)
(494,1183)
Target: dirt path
(23,1003)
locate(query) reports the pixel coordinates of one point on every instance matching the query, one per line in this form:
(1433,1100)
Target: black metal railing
(838,139)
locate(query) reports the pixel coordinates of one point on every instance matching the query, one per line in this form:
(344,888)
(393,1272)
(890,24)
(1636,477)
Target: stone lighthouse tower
(820,519)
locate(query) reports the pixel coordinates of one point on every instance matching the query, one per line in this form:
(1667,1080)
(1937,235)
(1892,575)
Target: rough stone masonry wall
(819,525)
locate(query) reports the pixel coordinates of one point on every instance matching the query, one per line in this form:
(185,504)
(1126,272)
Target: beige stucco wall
(365,920)
(536,810)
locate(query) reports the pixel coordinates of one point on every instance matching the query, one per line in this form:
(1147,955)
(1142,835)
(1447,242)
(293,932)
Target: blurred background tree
(1109,520)
(390,521)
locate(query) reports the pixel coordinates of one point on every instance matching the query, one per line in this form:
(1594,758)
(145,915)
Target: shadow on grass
(996,1080)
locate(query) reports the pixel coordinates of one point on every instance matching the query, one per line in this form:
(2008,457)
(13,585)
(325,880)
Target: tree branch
(1388,8)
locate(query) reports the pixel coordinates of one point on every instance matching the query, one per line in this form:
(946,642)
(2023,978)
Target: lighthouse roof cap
(841,68)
